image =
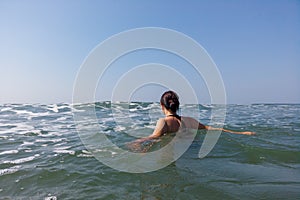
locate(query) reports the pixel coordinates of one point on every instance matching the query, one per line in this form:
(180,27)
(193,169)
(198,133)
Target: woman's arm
(201,126)
(159,130)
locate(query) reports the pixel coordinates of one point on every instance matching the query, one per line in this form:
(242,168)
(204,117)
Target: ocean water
(43,157)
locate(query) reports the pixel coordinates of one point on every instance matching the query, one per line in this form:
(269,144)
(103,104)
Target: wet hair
(170,100)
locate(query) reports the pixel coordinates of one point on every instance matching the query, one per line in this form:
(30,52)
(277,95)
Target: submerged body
(172,122)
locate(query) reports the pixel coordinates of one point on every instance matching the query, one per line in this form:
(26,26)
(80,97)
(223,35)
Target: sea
(43,156)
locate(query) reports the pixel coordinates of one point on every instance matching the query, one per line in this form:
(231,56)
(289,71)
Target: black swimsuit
(179,118)
(175,115)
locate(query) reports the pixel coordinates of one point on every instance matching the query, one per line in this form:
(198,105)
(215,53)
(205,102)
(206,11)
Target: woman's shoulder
(188,118)
(161,121)
(190,122)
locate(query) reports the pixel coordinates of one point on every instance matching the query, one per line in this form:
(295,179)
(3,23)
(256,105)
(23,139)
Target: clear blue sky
(255,44)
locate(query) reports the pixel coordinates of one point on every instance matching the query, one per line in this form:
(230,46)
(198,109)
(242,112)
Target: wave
(40,146)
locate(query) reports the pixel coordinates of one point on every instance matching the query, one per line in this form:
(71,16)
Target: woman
(171,123)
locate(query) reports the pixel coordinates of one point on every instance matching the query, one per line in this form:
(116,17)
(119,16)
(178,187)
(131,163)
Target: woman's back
(172,124)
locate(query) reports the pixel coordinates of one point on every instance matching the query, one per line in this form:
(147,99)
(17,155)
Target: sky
(254,44)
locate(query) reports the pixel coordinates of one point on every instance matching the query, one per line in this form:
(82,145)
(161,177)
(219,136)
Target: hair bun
(170,100)
(173,106)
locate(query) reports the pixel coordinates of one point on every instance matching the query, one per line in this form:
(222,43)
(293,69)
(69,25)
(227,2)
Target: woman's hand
(134,146)
(230,131)
(142,145)
(247,133)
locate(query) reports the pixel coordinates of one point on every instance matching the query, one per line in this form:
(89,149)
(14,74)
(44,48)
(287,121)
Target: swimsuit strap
(175,115)
(182,125)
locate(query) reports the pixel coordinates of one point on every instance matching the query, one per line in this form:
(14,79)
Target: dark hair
(170,100)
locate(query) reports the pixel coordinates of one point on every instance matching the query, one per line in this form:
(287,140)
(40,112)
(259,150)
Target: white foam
(9,170)
(20,128)
(64,151)
(51,198)
(64,147)
(53,108)
(21,160)
(49,140)
(84,155)
(9,152)
(86,152)
(23,112)
(62,118)
(5,109)
(30,114)
(26,143)
(50,134)
(4,136)
(60,144)
(119,128)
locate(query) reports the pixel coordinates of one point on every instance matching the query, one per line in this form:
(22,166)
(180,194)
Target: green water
(42,156)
